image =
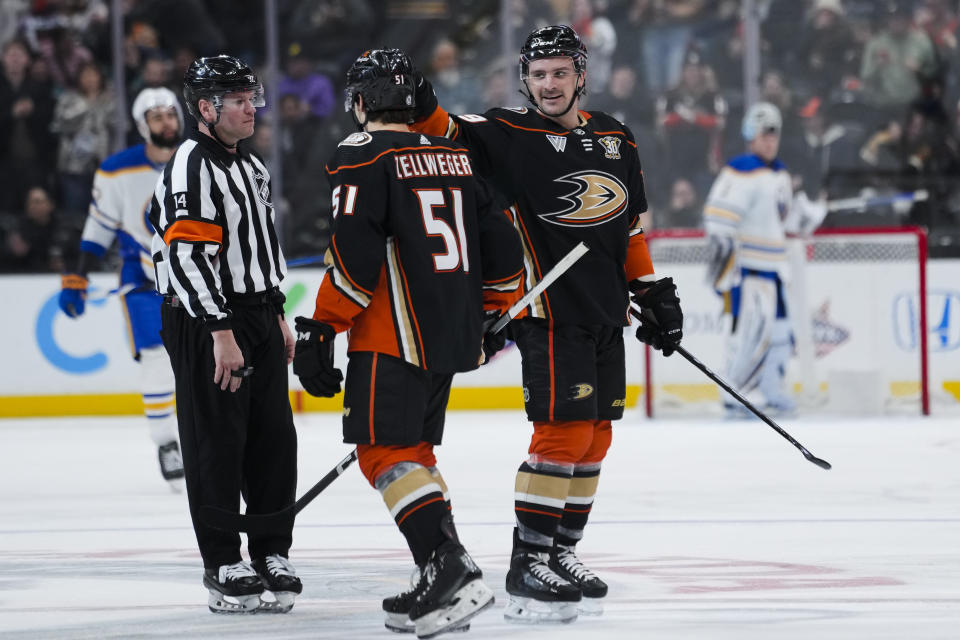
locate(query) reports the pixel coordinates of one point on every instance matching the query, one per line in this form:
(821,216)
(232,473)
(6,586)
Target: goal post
(858,305)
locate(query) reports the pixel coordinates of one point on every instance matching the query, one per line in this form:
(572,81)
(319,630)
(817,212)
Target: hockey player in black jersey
(571,176)
(417,257)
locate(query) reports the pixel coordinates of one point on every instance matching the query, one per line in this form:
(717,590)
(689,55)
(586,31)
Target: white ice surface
(703,529)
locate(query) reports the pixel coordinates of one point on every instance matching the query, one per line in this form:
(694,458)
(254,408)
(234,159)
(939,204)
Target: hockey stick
(823,464)
(861,202)
(549,277)
(119,291)
(261,523)
(304,261)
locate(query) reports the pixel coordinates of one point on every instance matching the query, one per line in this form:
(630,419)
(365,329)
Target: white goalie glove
(804,215)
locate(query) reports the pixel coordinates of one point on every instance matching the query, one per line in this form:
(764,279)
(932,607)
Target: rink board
(56,365)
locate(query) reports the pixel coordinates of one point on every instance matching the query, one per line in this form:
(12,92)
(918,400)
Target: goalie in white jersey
(122,191)
(749,212)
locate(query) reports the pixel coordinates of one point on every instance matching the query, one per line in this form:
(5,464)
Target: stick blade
(257,524)
(820,462)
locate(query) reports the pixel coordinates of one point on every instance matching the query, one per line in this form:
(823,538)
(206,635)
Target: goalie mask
(156,98)
(557,41)
(213,77)
(761,118)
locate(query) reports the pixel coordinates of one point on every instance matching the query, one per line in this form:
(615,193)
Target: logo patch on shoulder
(520,110)
(356,139)
(424,139)
(611,147)
(559,142)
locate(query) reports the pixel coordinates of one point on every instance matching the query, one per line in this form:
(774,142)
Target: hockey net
(862,293)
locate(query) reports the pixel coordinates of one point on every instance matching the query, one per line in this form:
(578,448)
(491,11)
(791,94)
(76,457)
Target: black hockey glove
(492,342)
(313,358)
(661,326)
(424,97)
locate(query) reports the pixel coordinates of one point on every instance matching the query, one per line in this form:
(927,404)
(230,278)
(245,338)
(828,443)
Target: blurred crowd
(868,89)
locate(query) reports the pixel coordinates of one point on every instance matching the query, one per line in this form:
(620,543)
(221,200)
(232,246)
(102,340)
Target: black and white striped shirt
(215,236)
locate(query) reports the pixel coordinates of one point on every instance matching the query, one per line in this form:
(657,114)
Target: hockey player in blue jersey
(122,190)
(748,214)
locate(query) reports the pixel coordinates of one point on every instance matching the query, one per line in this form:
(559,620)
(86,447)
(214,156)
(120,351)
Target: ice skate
(566,564)
(397,608)
(171,465)
(781,406)
(537,592)
(736,411)
(280,583)
(453,592)
(234,588)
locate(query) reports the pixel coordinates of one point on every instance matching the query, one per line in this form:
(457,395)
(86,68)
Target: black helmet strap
(212,126)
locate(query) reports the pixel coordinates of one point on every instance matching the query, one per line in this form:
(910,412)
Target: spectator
(64,55)
(782,30)
(896,60)
(624,100)
(829,49)
(691,120)
(301,80)
(588,19)
(330,29)
(305,143)
(453,83)
(82,117)
(180,23)
(940,21)
(27,246)
(666,28)
(930,159)
(881,152)
(26,107)
(684,210)
(823,156)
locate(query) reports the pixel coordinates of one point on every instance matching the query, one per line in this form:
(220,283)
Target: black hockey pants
(234,443)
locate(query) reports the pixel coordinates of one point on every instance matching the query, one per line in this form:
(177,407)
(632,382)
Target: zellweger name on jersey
(417,248)
(565,186)
(420,165)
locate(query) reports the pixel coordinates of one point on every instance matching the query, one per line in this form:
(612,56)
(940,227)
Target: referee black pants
(234,443)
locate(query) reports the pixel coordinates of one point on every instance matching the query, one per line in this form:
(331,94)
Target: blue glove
(73,294)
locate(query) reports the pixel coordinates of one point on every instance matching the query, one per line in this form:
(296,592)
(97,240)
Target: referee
(219,265)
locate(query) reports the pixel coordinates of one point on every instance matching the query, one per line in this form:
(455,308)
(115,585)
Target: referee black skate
(219,265)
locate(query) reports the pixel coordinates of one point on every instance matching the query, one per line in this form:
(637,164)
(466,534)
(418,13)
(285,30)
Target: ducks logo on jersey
(597,198)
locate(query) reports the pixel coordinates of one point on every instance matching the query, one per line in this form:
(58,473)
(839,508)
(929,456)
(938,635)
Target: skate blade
(220,603)
(529,611)
(467,602)
(400,623)
(276,601)
(591,606)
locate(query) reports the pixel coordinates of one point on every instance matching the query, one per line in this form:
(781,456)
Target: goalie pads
(760,345)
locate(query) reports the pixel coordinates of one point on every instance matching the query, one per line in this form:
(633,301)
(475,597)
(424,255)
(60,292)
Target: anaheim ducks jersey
(564,186)
(122,190)
(748,202)
(418,250)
